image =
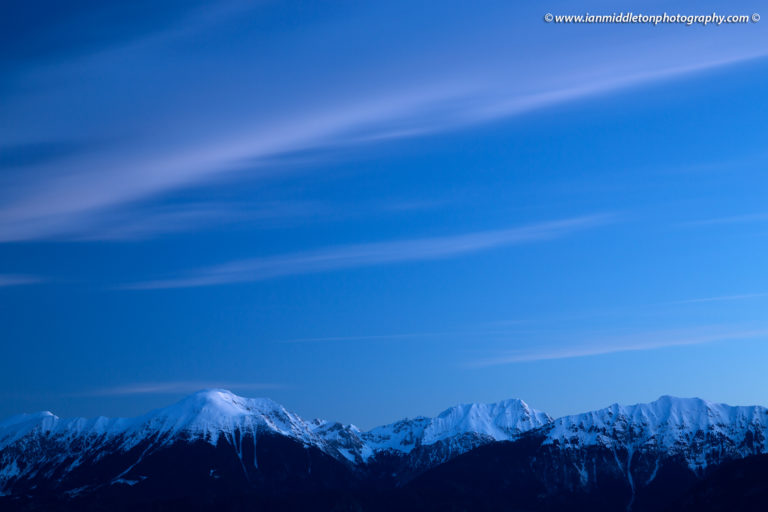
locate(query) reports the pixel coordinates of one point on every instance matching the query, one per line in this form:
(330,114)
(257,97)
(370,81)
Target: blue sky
(374,211)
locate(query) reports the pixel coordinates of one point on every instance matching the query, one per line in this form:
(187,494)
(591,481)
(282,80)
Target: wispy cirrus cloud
(597,346)
(378,253)
(153,221)
(82,186)
(78,188)
(721,298)
(163,388)
(727,220)
(18,280)
(376,337)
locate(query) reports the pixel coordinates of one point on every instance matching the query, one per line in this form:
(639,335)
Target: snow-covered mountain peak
(636,436)
(499,421)
(670,425)
(21,425)
(212,412)
(19,419)
(215,405)
(504,420)
(507,412)
(682,413)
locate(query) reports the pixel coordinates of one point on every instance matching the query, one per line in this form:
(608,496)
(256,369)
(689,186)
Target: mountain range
(215,450)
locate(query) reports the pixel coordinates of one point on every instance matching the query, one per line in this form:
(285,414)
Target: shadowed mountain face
(736,485)
(217,451)
(530,475)
(189,475)
(43,446)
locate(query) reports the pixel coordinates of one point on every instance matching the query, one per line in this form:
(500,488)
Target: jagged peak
(26,418)
(671,407)
(494,408)
(504,420)
(332,425)
(20,425)
(669,422)
(211,413)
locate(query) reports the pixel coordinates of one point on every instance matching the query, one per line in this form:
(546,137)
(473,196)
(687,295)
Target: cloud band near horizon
(163,388)
(377,253)
(632,343)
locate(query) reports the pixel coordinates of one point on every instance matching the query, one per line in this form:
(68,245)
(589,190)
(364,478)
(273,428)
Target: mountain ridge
(215,408)
(227,438)
(210,411)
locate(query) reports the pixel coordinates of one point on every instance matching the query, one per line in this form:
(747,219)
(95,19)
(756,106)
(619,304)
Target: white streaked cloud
(154,221)
(378,253)
(374,337)
(18,280)
(727,220)
(721,298)
(163,388)
(624,343)
(83,187)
